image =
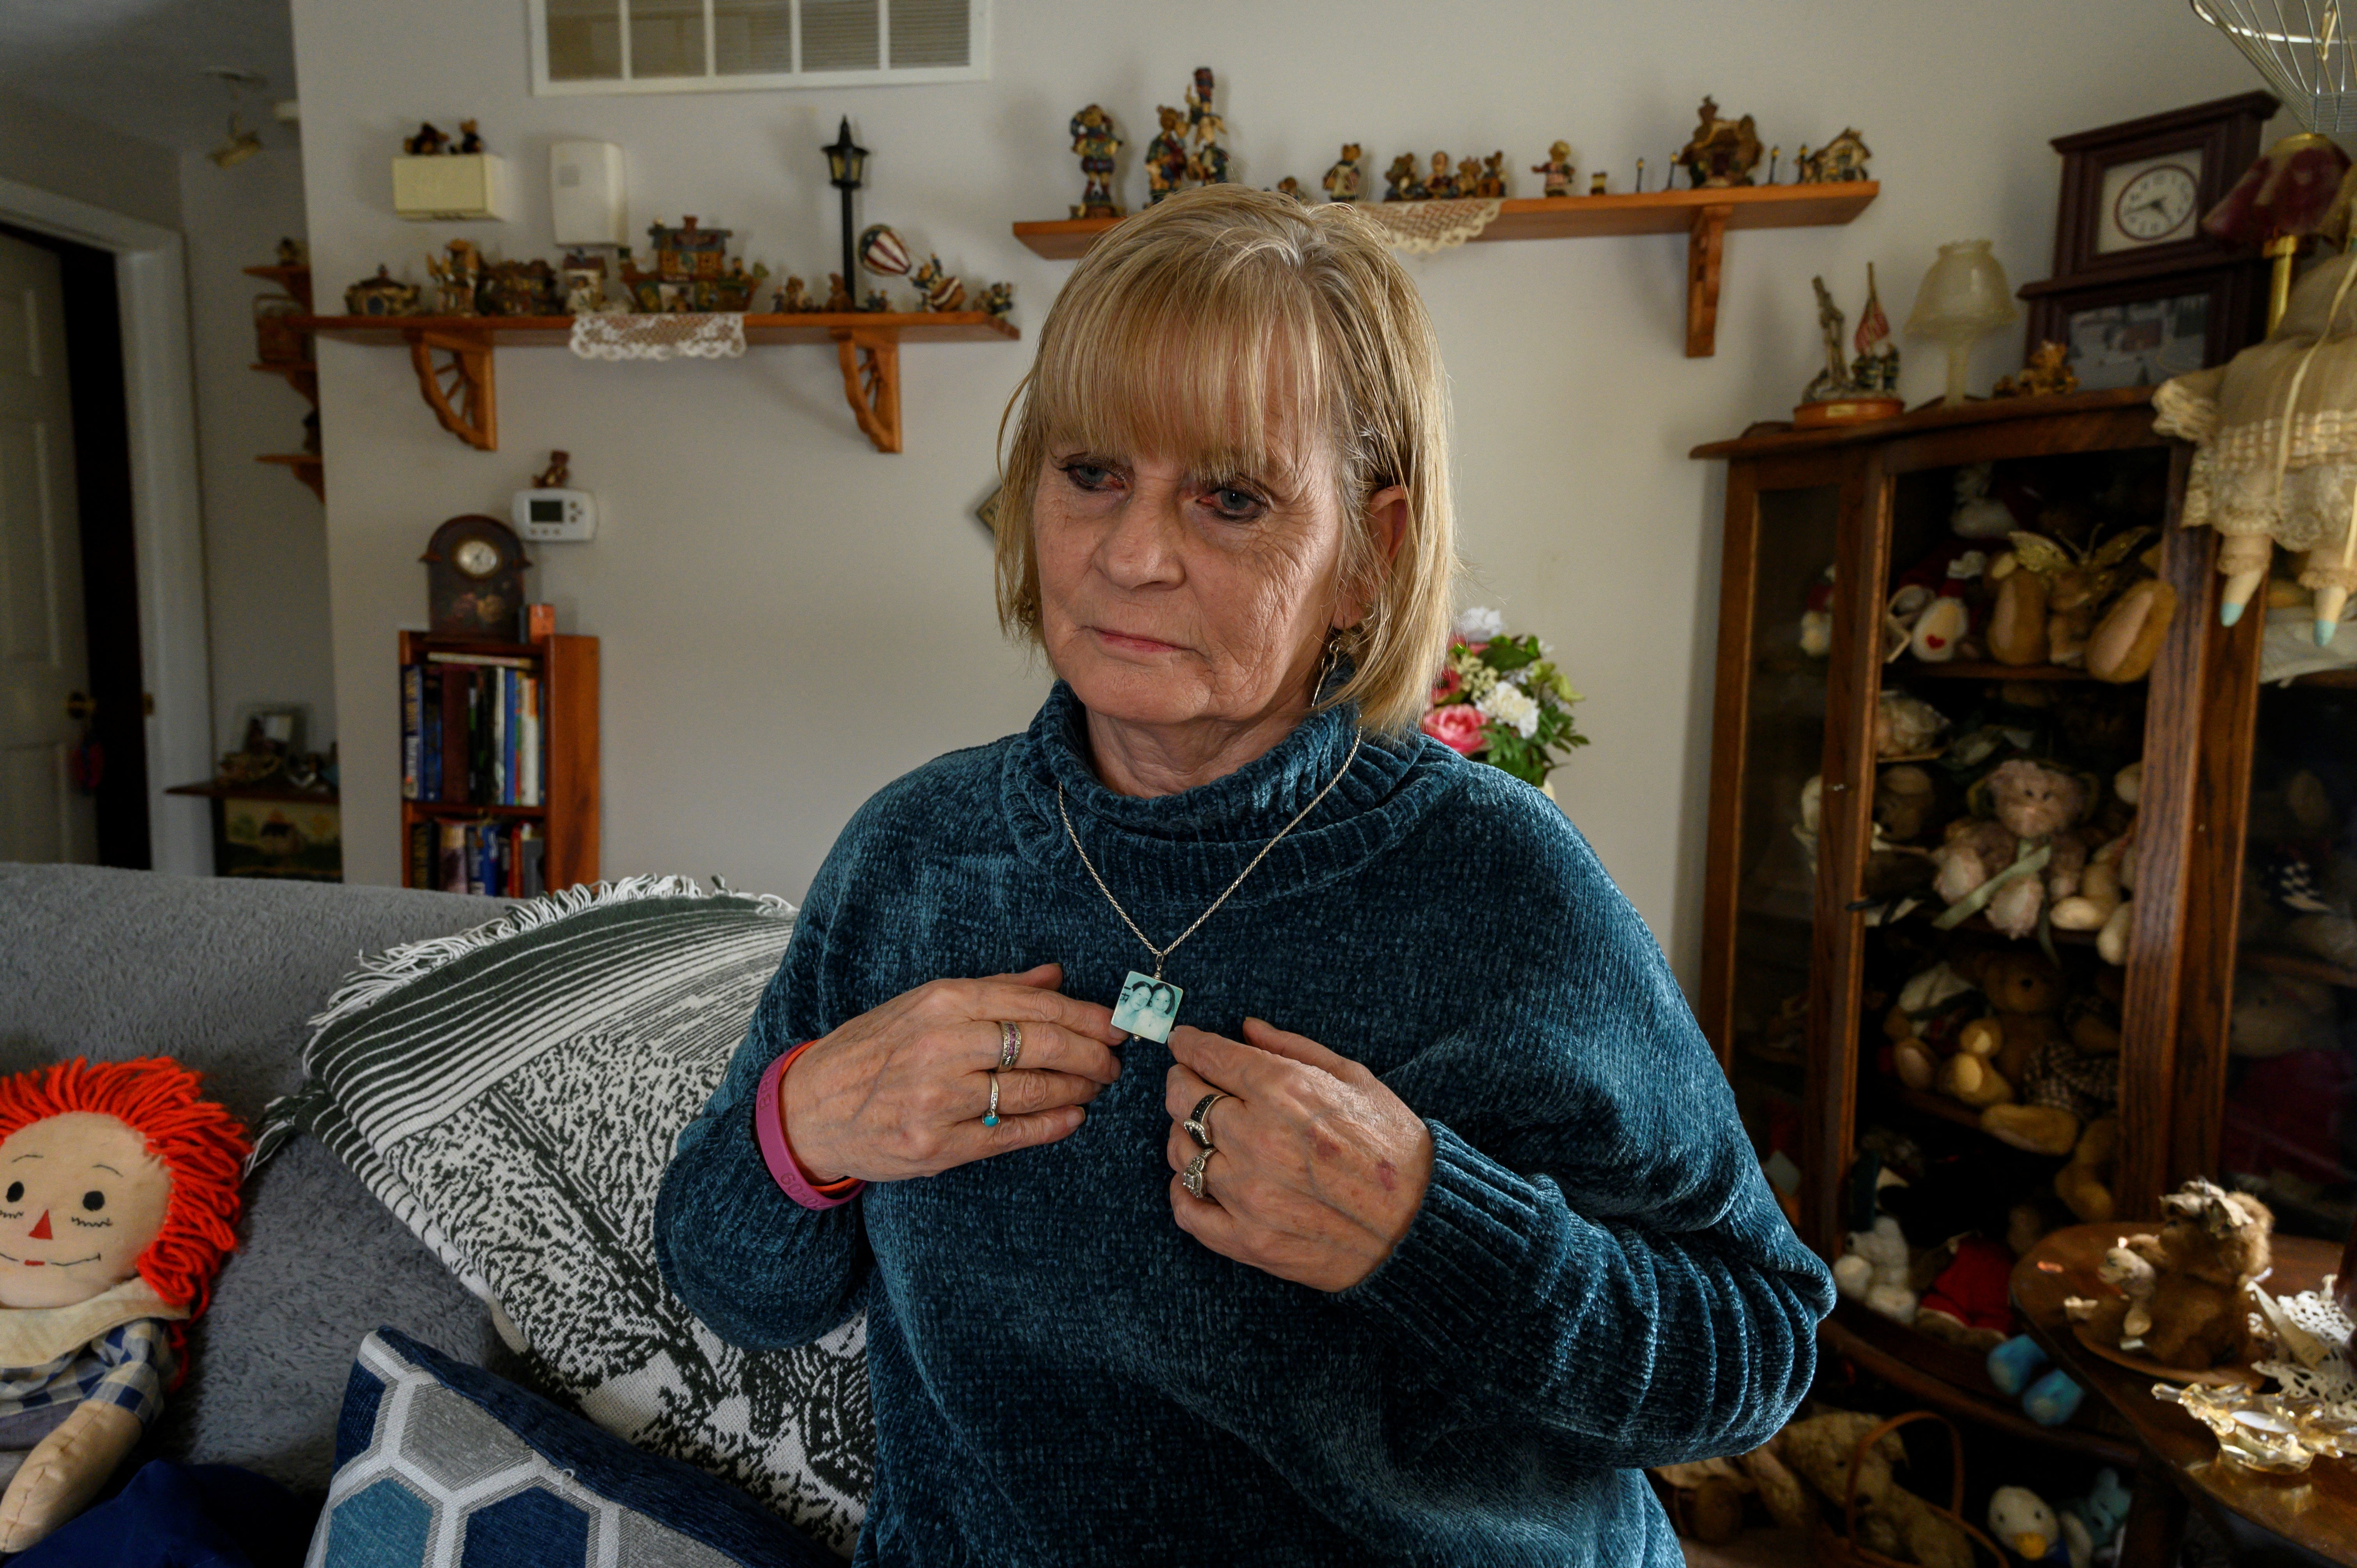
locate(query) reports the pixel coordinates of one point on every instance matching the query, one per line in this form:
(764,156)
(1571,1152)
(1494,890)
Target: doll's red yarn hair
(199,1143)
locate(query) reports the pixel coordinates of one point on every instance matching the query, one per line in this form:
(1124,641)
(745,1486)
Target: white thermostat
(550,514)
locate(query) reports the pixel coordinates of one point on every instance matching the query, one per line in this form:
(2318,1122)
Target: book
(531,741)
(429,761)
(453,857)
(421,854)
(413,728)
(493,661)
(531,849)
(495,700)
(457,685)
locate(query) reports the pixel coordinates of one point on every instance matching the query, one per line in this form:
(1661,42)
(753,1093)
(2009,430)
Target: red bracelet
(769,1131)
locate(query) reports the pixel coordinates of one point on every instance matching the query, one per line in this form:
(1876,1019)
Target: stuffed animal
(1923,1024)
(1906,727)
(1936,606)
(2026,1526)
(2023,992)
(2049,594)
(2181,1298)
(2102,1513)
(1967,1304)
(2018,1368)
(2071,1077)
(1873,1270)
(1890,1519)
(2128,639)
(2084,1185)
(2026,850)
(121,1192)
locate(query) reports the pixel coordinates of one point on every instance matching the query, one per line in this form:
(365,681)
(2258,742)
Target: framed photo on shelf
(2140,331)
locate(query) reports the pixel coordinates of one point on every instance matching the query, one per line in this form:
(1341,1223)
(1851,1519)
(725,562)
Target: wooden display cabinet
(569,813)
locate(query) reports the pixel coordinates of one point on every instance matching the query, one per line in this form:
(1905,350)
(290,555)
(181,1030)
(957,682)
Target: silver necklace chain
(1162,954)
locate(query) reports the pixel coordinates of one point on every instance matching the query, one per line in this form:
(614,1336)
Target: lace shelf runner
(712,335)
(1421,228)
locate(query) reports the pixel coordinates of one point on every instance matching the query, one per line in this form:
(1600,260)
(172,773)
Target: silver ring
(1197,1123)
(1010,1045)
(1193,1180)
(990,1117)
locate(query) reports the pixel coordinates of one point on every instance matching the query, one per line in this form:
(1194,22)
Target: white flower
(1477,624)
(1512,707)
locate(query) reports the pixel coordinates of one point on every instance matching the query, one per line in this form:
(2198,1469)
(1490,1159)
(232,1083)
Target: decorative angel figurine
(119,1205)
(2277,446)
(1557,169)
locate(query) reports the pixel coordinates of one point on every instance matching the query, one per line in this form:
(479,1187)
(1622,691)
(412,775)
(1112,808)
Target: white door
(43,667)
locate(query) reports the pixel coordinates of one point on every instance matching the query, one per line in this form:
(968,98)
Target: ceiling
(137,66)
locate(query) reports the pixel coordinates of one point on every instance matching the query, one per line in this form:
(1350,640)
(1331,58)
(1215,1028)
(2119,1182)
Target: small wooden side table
(281,832)
(2302,1519)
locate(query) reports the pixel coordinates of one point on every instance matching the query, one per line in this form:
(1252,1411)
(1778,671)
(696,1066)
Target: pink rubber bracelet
(770,1130)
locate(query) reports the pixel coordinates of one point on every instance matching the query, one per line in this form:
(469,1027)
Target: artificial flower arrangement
(1501,702)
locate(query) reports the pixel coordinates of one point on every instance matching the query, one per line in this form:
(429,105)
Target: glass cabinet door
(1767,813)
(2285,1128)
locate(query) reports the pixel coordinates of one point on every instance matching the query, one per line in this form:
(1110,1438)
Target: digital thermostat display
(557,515)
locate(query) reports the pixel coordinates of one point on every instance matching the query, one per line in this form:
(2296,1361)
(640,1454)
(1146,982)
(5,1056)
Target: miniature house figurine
(382,295)
(1097,144)
(691,271)
(1723,153)
(1839,160)
(1557,171)
(1342,182)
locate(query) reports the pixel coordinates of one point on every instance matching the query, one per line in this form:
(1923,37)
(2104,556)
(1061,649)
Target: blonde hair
(1202,329)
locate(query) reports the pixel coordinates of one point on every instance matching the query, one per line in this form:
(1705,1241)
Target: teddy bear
(1891,1519)
(2022,991)
(2084,1183)
(1710,1495)
(2182,1296)
(2127,640)
(1968,1304)
(2104,901)
(1906,727)
(1922,1026)
(2010,861)
(1936,606)
(1873,1269)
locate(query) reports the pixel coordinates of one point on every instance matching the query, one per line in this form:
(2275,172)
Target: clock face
(2149,201)
(477,557)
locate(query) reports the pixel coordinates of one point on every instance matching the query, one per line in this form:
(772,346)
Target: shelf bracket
(459,388)
(871,381)
(1705,246)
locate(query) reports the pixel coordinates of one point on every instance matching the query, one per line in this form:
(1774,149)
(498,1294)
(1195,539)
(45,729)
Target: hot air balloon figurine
(883,252)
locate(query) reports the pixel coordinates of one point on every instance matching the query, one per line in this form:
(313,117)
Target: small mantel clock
(2139,292)
(474,576)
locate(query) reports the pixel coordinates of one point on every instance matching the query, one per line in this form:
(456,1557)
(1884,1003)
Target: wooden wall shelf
(303,375)
(452,356)
(1703,216)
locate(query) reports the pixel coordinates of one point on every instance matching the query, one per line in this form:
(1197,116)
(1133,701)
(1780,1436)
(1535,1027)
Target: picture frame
(274,728)
(2208,146)
(2140,330)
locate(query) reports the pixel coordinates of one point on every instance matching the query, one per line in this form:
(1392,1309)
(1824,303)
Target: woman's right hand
(900,1091)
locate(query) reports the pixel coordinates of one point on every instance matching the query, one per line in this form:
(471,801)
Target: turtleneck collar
(1183,850)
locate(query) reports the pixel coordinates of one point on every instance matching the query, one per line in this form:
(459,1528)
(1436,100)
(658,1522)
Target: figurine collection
(686,266)
(1189,148)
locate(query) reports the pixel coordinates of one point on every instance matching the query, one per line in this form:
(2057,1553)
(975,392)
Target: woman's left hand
(1319,1169)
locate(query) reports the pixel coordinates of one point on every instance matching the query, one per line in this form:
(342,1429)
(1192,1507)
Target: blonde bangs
(1235,331)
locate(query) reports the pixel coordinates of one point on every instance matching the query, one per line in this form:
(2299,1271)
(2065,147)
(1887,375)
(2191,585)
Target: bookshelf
(499,739)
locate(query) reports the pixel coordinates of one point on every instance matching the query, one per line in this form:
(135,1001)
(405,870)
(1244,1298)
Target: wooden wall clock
(474,579)
(2139,293)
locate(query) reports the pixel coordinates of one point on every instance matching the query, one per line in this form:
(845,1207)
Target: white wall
(69,155)
(790,618)
(265,541)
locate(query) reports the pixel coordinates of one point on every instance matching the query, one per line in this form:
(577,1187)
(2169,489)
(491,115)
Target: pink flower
(1457,728)
(1450,684)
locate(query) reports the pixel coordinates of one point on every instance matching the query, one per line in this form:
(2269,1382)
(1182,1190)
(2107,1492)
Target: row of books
(470,730)
(501,860)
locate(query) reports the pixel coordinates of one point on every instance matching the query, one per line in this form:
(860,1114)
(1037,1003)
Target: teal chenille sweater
(1599,1278)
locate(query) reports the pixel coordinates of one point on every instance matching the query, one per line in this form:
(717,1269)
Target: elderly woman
(1433,1221)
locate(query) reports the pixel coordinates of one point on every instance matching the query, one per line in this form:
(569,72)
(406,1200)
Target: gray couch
(221,976)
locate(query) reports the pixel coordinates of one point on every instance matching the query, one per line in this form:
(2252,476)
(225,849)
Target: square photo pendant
(1148,1008)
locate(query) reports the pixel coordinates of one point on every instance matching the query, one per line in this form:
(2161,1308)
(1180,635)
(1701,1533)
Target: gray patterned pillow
(511,1094)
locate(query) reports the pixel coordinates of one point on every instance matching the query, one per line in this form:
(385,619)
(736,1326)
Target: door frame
(167,519)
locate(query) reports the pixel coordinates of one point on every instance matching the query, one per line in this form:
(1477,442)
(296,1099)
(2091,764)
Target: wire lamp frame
(2303,47)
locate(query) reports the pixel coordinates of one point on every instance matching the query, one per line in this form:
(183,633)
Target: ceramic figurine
(2048,374)
(693,271)
(1441,184)
(1723,151)
(1208,162)
(1838,161)
(1166,155)
(294,253)
(1291,186)
(1876,369)
(1598,184)
(1097,144)
(1833,381)
(1557,169)
(470,140)
(1469,176)
(838,296)
(882,252)
(457,279)
(877,302)
(382,295)
(793,299)
(1342,180)
(425,143)
(1493,175)
(941,292)
(1402,180)
(1845,391)
(520,288)
(998,300)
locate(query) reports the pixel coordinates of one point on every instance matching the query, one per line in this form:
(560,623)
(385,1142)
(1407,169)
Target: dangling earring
(1328,662)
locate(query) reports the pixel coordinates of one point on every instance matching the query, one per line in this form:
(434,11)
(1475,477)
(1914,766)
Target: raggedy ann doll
(118,1195)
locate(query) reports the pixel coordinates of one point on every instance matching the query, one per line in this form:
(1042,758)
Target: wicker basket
(1840,1548)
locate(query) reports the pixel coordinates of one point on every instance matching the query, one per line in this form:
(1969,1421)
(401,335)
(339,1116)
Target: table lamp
(1964,297)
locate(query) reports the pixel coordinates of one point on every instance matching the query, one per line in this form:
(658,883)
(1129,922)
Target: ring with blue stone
(990,1117)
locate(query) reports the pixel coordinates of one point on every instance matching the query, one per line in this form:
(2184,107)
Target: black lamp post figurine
(846,160)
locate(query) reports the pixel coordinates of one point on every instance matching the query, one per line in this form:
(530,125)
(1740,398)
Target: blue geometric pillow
(440,1461)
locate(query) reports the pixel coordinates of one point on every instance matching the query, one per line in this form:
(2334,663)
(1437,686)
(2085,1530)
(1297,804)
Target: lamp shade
(2302,48)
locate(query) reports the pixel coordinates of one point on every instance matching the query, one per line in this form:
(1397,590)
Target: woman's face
(1173,596)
